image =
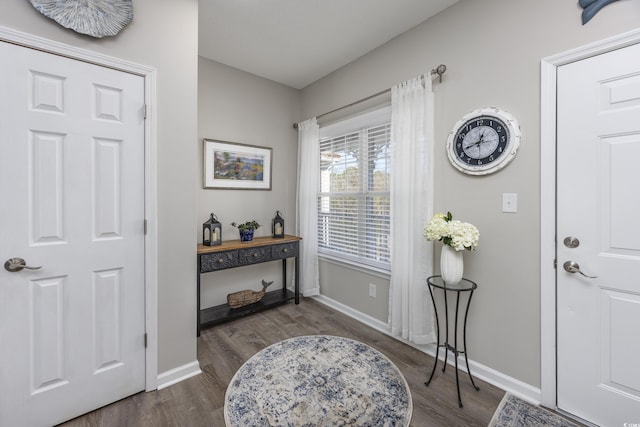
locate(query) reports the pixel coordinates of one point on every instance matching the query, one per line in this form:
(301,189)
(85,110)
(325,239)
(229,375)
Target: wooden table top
(237,244)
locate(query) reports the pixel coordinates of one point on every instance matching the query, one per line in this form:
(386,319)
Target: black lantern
(277,226)
(212,232)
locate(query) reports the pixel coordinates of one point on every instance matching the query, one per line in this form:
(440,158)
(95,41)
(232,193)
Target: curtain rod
(438,71)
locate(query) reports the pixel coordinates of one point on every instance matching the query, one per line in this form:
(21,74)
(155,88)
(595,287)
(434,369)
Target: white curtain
(410,307)
(307,213)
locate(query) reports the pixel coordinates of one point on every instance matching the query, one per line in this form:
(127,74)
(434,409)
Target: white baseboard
(351,312)
(181,373)
(485,373)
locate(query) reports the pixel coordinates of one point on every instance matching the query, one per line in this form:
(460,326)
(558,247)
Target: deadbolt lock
(571,242)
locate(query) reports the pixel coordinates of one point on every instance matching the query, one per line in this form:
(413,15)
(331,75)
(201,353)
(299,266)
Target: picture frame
(235,166)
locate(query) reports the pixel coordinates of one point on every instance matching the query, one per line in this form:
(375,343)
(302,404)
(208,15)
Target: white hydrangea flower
(457,234)
(437,228)
(463,235)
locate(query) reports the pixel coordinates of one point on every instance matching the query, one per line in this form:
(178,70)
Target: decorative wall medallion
(96,18)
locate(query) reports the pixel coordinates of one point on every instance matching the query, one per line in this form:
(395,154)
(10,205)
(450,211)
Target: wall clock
(483,141)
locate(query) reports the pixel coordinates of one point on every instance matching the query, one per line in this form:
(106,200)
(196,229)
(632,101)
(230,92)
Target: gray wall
(350,286)
(163,35)
(492,49)
(240,107)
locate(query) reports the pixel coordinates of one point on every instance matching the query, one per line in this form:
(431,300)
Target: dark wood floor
(199,401)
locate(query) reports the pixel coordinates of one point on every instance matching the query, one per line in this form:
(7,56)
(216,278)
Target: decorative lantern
(277,226)
(212,232)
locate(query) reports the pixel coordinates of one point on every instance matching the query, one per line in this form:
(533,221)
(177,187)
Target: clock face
(483,141)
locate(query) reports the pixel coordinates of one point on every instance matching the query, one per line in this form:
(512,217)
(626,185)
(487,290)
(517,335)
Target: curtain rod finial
(439,70)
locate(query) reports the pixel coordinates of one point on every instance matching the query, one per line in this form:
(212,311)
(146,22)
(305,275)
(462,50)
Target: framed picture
(229,165)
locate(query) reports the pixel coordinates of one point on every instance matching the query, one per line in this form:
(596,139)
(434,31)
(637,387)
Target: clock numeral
(479,122)
(499,128)
(503,138)
(479,162)
(500,149)
(491,158)
(462,135)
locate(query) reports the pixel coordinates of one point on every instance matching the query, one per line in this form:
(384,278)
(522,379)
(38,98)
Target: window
(354,198)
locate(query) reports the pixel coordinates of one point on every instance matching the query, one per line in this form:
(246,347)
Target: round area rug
(318,380)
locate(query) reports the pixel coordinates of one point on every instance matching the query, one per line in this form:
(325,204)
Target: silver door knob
(14,265)
(574,267)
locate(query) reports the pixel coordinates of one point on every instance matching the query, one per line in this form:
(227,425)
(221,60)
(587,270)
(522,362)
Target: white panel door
(72,189)
(599,205)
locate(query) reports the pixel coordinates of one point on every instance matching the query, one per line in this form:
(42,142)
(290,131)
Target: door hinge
(555,263)
(145,108)
(145,340)
(145,227)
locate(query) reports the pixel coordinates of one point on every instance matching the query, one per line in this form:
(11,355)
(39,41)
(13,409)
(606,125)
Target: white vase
(451,265)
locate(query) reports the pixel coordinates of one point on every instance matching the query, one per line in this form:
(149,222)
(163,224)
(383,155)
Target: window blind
(354,197)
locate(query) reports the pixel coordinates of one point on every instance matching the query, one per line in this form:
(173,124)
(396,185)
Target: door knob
(14,265)
(574,267)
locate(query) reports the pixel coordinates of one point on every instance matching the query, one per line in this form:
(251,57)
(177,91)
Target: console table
(466,286)
(234,253)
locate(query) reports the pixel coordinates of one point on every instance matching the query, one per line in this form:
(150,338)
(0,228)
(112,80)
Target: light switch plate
(510,202)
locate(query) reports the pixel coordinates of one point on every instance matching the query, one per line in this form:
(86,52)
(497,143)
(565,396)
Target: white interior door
(598,202)
(72,189)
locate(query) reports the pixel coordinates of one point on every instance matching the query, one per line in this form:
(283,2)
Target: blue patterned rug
(318,380)
(515,412)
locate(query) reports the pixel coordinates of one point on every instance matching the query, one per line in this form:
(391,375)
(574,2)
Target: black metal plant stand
(463,286)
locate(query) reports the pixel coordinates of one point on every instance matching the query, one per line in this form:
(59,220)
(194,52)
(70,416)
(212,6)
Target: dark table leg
(435,362)
(455,348)
(297,280)
(284,278)
(198,298)
(464,341)
(446,331)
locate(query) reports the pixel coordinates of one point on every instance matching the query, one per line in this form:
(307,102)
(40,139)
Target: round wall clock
(483,141)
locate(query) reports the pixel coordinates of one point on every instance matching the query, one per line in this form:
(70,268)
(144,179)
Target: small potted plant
(246,229)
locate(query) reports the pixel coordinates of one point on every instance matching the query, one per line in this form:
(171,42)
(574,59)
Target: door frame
(150,174)
(548,308)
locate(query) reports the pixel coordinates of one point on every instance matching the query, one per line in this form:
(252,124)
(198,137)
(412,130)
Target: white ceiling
(296,42)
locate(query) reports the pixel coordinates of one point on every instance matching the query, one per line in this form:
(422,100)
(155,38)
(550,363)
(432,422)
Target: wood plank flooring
(222,349)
